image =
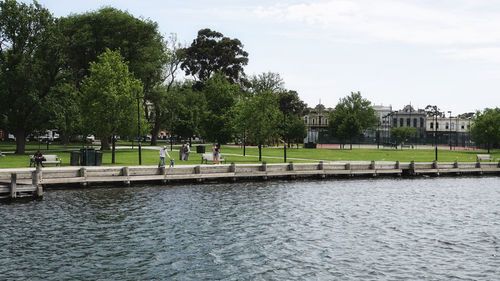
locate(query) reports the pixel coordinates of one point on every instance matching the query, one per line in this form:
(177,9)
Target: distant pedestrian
(181,153)
(187,150)
(217,155)
(214,148)
(163,153)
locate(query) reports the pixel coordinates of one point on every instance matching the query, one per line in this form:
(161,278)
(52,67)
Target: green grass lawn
(129,157)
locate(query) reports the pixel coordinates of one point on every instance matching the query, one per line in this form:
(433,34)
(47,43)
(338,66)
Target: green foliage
(217,118)
(88,35)
(486,127)
(186,108)
(211,52)
(403,133)
(109,98)
(295,129)
(259,116)
(351,115)
(27,67)
(269,81)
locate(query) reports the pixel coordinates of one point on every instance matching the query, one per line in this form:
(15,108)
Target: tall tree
(295,129)
(187,106)
(158,110)
(291,107)
(486,127)
(269,81)
(109,98)
(212,52)
(217,119)
(352,114)
(260,116)
(27,68)
(86,36)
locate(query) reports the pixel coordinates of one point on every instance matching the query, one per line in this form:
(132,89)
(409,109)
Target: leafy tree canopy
(216,122)
(486,127)
(351,115)
(27,67)
(88,35)
(211,52)
(109,98)
(260,117)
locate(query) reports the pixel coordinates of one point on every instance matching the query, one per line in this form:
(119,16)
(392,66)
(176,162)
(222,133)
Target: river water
(362,229)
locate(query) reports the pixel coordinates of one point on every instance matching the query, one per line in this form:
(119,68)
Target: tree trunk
(66,134)
(20,141)
(154,133)
(350,142)
(284,153)
(113,140)
(488,147)
(66,139)
(260,153)
(105,143)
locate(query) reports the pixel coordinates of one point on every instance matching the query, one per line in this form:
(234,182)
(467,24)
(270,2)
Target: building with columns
(316,120)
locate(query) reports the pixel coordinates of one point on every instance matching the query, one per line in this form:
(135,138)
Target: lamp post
(449,135)
(139,129)
(433,110)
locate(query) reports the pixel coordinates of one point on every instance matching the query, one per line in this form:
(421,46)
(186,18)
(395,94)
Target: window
(432,125)
(305,119)
(326,121)
(462,126)
(314,121)
(395,122)
(447,126)
(408,122)
(437,125)
(422,122)
(415,122)
(401,122)
(452,126)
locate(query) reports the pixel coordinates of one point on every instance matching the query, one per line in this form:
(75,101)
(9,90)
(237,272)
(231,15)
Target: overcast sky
(395,52)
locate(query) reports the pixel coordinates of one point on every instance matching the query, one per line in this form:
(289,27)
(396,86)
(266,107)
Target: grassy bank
(128,157)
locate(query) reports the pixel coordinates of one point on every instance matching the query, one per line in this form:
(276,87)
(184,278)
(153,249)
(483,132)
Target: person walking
(181,153)
(187,150)
(214,148)
(163,153)
(217,155)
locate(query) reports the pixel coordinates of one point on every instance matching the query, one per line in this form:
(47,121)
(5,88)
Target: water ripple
(384,229)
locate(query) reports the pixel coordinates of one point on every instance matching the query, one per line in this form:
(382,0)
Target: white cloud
(400,21)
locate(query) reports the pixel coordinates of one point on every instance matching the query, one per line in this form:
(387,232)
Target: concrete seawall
(61,176)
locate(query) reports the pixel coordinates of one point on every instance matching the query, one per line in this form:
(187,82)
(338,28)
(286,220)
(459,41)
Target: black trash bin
(98,158)
(87,157)
(74,158)
(200,149)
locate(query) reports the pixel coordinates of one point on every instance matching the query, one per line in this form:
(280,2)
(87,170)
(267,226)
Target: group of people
(183,155)
(184,152)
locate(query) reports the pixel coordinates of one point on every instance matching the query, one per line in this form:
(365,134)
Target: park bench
(49,159)
(205,157)
(484,157)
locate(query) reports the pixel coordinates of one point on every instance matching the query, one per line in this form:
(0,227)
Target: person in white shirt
(163,153)
(187,150)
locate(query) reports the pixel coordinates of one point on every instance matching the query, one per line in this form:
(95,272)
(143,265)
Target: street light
(449,136)
(433,110)
(139,128)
